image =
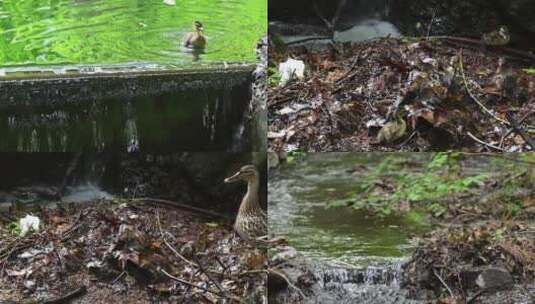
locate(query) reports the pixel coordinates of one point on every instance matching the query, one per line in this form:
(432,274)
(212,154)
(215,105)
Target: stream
(355,256)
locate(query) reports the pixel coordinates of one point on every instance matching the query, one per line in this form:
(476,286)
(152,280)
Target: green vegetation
(397,185)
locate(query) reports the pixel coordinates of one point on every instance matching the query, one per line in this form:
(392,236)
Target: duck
(499,37)
(251,221)
(195,39)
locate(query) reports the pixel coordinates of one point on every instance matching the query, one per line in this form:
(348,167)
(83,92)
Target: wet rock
(287,254)
(494,279)
(487,278)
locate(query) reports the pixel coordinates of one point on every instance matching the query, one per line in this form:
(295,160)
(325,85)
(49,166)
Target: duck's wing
(186,41)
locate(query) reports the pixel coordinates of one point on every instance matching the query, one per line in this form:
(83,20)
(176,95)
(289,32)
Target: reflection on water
(298,195)
(36,32)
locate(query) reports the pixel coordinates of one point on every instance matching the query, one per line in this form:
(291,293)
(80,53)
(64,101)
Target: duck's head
(197,25)
(504,30)
(246,173)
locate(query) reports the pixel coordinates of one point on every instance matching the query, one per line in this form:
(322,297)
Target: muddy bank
(402,94)
(124,251)
(482,251)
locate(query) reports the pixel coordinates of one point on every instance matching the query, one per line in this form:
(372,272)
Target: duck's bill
(233,178)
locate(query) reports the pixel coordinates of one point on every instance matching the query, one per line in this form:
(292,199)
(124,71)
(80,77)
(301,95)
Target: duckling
(497,38)
(251,222)
(195,39)
(392,131)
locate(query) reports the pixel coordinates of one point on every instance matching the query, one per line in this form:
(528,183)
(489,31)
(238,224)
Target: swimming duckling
(497,38)
(195,39)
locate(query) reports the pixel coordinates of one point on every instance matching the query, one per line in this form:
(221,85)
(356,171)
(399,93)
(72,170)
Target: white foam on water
(365,30)
(85,193)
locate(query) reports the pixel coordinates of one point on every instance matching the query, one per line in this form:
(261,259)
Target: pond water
(298,196)
(139,32)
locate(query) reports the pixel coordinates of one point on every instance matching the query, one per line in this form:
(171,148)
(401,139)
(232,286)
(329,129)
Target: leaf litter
(402,94)
(124,252)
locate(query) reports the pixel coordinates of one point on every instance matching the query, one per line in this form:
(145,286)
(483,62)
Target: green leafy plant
(14,228)
(274,76)
(294,156)
(384,189)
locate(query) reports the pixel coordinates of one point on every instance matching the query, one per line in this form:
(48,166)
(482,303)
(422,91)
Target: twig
(348,75)
(519,131)
(207,273)
(526,56)
(169,245)
(287,281)
(328,24)
(308,39)
(197,263)
(118,277)
(198,287)
(218,260)
(479,293)
(180,205)
(353,64)
(443,283)
(67,234)
(67,297)
(406,141)
(484,143)
(255,271)
(472,95)
(431,24)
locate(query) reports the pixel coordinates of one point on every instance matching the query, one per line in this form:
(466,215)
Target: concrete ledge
(54,90)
